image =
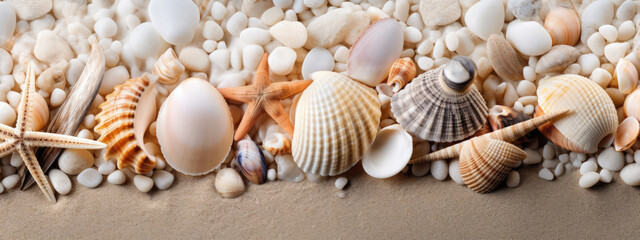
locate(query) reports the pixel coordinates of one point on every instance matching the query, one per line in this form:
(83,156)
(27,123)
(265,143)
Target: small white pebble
(452,41)
(596,43)
(614,51)
(439,170)
(341,182)
(412,35)
(630,174)
(628,158)
(271,174)
(606,176)
(526,88)
(218,10)
(162,179)
(609,32)
(550,163)
(454,172)
(60,181)
(589,179)
(425,47)
(86,134)
(107,168)
(513,179)
(57,97)
(559,170)
(529,73)
(117,177)
(564,158)
(568,167)
(611,159)
(528,110)
(143,183)
(90,178)
(10,181)
(425,63)
(626,30)
(533,157)
(588,166)
(548,152)
(545,174)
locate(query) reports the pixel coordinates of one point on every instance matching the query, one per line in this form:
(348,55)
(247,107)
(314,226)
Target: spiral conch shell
(563,24)
(168,68)
(336,121)
(486,162)
(593,115)
(124,118)
(503,116)
(402,72)
(442,105)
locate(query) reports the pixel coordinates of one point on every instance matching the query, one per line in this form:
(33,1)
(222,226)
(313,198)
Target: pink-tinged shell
(402,72)
(626,134)
(626,76)
(563,24)
(486,162)
(374,52)
(168,68)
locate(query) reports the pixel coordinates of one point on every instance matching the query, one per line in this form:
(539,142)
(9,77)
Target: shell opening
(396,87)
(459,73)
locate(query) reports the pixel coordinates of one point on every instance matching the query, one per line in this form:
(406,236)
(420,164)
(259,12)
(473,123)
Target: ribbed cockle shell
(486,162)
(168,68)
(402,72)
(229,183)
(251,162)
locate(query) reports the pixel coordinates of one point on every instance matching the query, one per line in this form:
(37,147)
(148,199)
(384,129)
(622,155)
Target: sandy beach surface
(403,207)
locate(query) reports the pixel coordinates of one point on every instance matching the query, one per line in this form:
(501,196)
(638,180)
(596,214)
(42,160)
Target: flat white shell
(389,153)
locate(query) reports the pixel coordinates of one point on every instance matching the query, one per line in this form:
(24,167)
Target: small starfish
(22,138)
(264,96)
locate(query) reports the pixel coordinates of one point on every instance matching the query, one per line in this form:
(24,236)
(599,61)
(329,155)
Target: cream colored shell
(486,162)
(336,121)
(229,183)
(168,68)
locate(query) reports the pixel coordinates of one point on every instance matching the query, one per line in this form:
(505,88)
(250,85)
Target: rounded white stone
(281,60)
(107,168)
(254,35)
(271,174)
(7,21)
(74,161)
(272,16)
(484,18)
(597,14)
(57,97)
(606,176)
(32,9)
(251,55)
(51,48)
(105,28)
(163,179)
(90,178)
(589,179)
(412,35)
(588,63)
(283,3)
(117,177)
(601,77)
(626,30)
(144,41)
(439,170)
(513,179)
(546,174)
(218,10)
(318,59)
(548,152)
(194,59)
(596,43)
(236,23)
(60,181)
(425,47)
(175,20)
(454,172)
(143,183)
(559,170)
(10,181)
(112,78)
(611,159)
(529,38)
(221,58)
(588,166)
(614,51)
(452,41)
(609,32)
(341,182)
(526,88)
(7,114)
(630,174)
(212,31)
(289,33)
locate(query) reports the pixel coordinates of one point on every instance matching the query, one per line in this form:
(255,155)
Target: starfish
(264,96)
(23,139)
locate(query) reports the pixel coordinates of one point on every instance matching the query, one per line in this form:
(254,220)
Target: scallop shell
(563,24)
(168,68)
(626,76)
(631,107)
(336,121)
(557,59)
(389,153)
(277,144)
(124,118)
(626,134)
(402,72)
(195,128)
(504,59)
(593,116)
(251,162)
(374,52)
(229,183)
(503,116)
(442,105)
(486,162)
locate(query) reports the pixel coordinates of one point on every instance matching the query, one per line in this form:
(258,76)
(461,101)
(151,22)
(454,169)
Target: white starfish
(22,139)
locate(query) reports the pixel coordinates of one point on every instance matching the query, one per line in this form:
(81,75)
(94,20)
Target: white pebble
(425,47)
(107,168)
(533,157)
(601,77)
(454,172)
(60,181)
(564,158)
(484,18)
(162,179)
(57,97)
(291,34)
(341,55)
(559,170)
(221,58)
(194,59)
(7,114)
(550,163)
(452,41)
(606,176)
(609,32)
(341,182)
(636,156)
(596,43)
(611,159)
(528,37)
(175,20)
(588,63)
(548,152)
(626,10)
(545,174)
(7,22)
(529,73)
(271,174)
(254,35)
(236,23)
(589,179)
(626,31)
(143,183)
(401,11)
(526,88)
(439,170)
(513,179)
(412,35)
(105,28)
(425,63)
(528,110)
(218,10)
(588,166)
(212,31)
(144,42)
(614,51)
(74,161)
(318,59)
(272,16)
(628,158)
(117,177)
(288,170)
(281,60)
(10,181)
(630,174)
(90,178)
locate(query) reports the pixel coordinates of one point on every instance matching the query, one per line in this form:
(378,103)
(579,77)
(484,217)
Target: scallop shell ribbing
(336,121)
(486,162)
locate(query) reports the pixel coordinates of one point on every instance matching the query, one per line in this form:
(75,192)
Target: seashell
(626,134)
(593,116)
(557,59)
(124,118)
(194,127)
(563,24)
(389,153)
(229,183)
(631,107)
(168,68)
(626,76)
(504,59)
(402,72)
(277,144)
(251,162)
(485,163)
(374,52)
(54,77)
(336,121)
(503,116)
(40,113)
(442,105)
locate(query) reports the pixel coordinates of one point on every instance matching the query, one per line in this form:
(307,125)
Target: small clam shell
(374,52)
(389,153)
(626,76)
(168,68)
(486,162)
(40,113)
(557,59)
(229,183)
(563,24)
(626,134)
(631,107)
(277,144)
(503,116)
(251,162)
(504,59)
(402,72)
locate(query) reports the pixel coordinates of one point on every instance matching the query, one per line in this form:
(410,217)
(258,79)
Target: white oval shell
(389,153)
(229,183)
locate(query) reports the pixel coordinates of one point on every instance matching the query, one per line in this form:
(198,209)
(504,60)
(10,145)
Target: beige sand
(401,207)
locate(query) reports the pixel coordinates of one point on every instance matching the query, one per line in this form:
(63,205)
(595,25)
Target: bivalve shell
(195,128)
(402,72)
(631,107)
(485,163)
(563,24)
(336,121)
(504,59)
(626,134)
(251,162)
(168,68)
(229,183)
(389,153)
(626,76)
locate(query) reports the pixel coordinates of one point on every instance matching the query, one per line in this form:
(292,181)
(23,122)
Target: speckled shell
(592,117)
(337,119)
(563,24)
(486,162)
(168,68)
(429,109)
(117,124)
(229,183)
(504,59)
(402,72)
(251,162)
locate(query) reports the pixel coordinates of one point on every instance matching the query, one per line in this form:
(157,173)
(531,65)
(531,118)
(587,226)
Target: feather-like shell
(277,144)
(431,108)
(229,183)
(486,162)
(124,117)
(168,68)
(626,134)
(251,162)
(563,24)
(402,72)
(337,119)
(593,116)
(504,59)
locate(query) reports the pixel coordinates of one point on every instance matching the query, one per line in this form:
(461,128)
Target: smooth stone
(318,59)
(90,178)
(626,30)
(288,170)
(589,180)
(597,14)
(60,181)
(32,9)
(162,179)
(107,168)
(529,38)
(143,183)
(251,55)
(439,170)
(10,181)
(627,10)
(272,16)
(194,59)
(291,34)
(606,176)
(212,31)
(105,28)
(254,35)
(6,65)
(588,166)
(525,10)
(51,48)
(220,58)
(609,32)
(588,63)
(7,22)
(117,177)
(7,114)
(341,182)
(74,161)
(218,10)
(281,60)
(283,3)
(546,174)
(175,20)
(596,44)
(439,12)
(630,174)
(112,78)
(486,17)
(454,172)
(57,97)
(236,23)
(559,170)
(329,29)
(144,41)
(611,159)
(271,174)
(614,51)
(513,179)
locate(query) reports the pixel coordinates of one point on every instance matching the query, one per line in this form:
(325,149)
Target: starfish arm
(261,78)
(32,164)
(6,148)
(42,139)
(249,119)
(241,94)
(277,112)
(287,89)
(6,132)
(23,122)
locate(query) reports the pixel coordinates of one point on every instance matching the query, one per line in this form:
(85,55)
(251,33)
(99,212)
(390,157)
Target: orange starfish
(264,96)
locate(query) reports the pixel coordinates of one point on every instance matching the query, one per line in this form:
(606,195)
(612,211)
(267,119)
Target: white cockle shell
(389,153)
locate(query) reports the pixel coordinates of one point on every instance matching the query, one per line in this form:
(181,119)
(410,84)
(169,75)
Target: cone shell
(117,125)
(592,118)
(229,183)
(168,68)
(277,144)
(486,162)
(336,121)
(626,134)
(428,108)
(504,59)
(563,24)
(251,162)
(402,72)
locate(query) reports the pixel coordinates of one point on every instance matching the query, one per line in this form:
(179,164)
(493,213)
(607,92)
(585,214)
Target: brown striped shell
(504,59)
(168,68)
(486,162)
(503,116)
(442,105)
(402,72)
(123,120)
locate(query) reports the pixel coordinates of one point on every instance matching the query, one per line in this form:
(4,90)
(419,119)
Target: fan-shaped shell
(124,117)
(229,183)
(429,108)
(486,162)
(402,72)
(168,68)
(336,121)
(593,115)
(251,162)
